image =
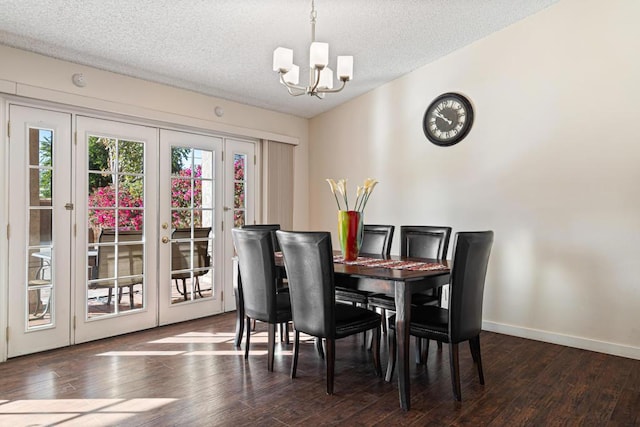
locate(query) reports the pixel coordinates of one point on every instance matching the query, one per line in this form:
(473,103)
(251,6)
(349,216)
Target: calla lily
(342,188)
(334,188)
(332,184)
(362,192)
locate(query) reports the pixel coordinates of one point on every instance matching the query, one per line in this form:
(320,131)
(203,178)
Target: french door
(190,246)
(239,202)
(116,233)
(122,228)
(40,225)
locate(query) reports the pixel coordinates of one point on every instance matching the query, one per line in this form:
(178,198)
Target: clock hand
(439,115)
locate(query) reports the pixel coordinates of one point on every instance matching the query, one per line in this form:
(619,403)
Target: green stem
(337,202)
(365,200)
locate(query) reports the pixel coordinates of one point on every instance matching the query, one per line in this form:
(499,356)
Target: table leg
(239,311)
(403,317)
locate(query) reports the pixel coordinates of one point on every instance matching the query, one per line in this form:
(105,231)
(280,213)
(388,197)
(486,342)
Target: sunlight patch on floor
(225,353)
(74,412)
(257,338)
(141,353)
(189,340)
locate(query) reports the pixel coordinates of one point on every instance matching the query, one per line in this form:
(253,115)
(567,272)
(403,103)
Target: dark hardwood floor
(190,374)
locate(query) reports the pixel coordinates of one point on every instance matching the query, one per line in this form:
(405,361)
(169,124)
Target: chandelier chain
(314,15)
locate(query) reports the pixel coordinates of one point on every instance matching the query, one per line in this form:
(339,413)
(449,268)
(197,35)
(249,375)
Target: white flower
(362,192)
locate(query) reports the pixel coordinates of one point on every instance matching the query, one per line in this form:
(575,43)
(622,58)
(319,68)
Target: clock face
(448,119)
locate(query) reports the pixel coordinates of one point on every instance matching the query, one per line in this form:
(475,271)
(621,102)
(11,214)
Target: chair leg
(271,345)
(283,330)
(331,362)
(286,333)
(418,350)
(391,337)
(319,348)
(246,344)
(376,350)
(422,348)
(384,327)
(424,355)
(383,312)
(455,370)
(198,287)
(109,296)
(294,360)
(365,341)
(182,292)
(131,303)
(239,320)
(474,345)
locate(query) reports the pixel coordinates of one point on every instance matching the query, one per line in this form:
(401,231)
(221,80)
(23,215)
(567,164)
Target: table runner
(392,264)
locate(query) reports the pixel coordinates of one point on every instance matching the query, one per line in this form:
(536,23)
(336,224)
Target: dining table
(397,276)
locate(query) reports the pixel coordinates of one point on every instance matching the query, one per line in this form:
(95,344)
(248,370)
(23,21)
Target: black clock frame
(467,127)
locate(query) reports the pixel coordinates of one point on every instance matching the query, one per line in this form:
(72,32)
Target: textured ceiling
(224,47)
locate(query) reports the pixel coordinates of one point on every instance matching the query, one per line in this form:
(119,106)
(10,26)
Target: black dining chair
(280,276)
(376,241)
(462,319)
(419,241)
(308,259)
(256,261)
(270,227)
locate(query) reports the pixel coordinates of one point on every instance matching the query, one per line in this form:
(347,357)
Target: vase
(350,230)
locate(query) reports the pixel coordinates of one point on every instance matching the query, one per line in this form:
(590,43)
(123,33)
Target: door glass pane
(40,260)
(115,238)
(239,189)
(191,221)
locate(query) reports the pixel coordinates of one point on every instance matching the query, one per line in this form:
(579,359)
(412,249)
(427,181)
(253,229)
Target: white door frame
(4,220)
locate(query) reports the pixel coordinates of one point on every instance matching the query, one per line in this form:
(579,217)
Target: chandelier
(320,75)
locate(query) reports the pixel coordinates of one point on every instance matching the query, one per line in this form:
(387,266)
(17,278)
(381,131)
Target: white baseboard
(566,340)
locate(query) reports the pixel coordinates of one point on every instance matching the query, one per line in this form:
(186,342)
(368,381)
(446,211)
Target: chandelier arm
(315,86)
(291,87)
(344,83)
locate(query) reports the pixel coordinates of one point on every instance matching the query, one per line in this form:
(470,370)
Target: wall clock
(448,119)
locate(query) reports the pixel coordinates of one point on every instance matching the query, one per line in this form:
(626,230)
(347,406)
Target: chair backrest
(130,260)
(181,251)
(257,271)
(470,259)
(271,227)
(308,259)
(424,241)
(376,240)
